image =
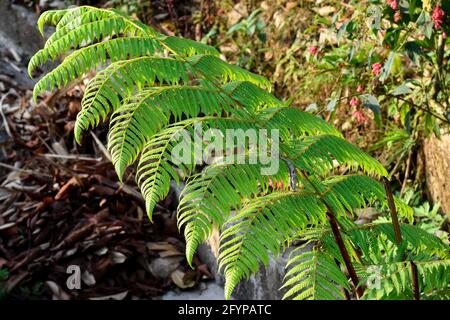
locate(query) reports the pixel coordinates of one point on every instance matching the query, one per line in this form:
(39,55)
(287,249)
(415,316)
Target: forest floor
(62,208)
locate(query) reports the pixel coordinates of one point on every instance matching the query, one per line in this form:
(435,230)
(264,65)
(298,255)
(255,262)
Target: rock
(265,285)
(18,34)
(18,29)
(52,4)
(163,267)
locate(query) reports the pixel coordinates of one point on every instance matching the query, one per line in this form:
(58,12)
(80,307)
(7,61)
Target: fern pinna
(154,86)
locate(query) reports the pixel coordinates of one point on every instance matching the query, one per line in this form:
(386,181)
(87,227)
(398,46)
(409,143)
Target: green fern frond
(292,121)
(250,95)
(222,72)
(379,261)
(155,170)
(52,18)
(209,197)
(417,237)
(145,113)
(84,29)
(395,280)
(434,274)
(314,275)
(155,166)
(93,25)
(81,61)
(107,90)
(83,19)
(188,47)
(76,12)
(316,154)
(350,192)
(260,227)
(62,41)
(371,240)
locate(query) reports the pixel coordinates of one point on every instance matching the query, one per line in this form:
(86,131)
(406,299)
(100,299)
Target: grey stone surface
(18,29)
(19,38)
(264,285)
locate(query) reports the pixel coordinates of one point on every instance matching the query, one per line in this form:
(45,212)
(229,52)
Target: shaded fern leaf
(443,294)
(395,279)
(317,155)
(292,121)
(417,237)
(260,227)
(435,275)
(222,72)
(188,47)
(349,192)
(314,275)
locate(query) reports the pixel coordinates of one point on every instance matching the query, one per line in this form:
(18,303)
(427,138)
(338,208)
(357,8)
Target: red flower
(354,102)
(397,16)
(444,35)
(360,88)
(360,116)
(276,185)
(376,68)
(313,50)
(393,4)
(438,17)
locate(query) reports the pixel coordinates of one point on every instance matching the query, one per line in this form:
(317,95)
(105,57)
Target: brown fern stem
(415,280)
(393,210)
(398,237)
(346,292)
(347,261)
(340,242)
